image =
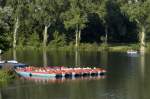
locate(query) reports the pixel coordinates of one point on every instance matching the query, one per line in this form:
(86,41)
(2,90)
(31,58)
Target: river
(127,76)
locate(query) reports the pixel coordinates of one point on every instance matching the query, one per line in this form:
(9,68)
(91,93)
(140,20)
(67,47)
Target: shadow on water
(127,77)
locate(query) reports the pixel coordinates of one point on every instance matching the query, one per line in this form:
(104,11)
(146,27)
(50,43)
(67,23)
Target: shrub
(33,41)
(21,41)
(6,75)
(58,41)
(5,41)
(104,46)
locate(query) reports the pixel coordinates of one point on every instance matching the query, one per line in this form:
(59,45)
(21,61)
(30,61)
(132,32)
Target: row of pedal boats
(59,72)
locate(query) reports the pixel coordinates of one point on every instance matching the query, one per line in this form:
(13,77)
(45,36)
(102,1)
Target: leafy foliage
(33,40)
(123,19)
(5,21)
(59,40)
(75,16)
(138,11)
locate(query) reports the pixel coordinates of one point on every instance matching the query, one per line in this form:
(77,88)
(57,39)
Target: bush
(5,41)
(135,46)
(21,41)
(58,41)
(34,40)
(104,46)
(6,75)
(88,47)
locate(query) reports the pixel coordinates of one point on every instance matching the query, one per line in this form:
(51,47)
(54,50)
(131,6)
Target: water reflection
(45,57)
(60,80)
(14,54)
(127,77)
(54,58)
(0,94)
(142,64)
(81,88)
(104,58)
(77,58)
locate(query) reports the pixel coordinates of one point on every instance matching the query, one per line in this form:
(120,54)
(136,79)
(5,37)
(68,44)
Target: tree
(17,6)
(75,18)
(138,11)
(45,13)
(5,20)
(101,10)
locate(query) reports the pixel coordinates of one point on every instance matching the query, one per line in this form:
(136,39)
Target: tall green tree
(75,17)
(5,21)
(138,11)
(101,10)
(17,6)
(45,13)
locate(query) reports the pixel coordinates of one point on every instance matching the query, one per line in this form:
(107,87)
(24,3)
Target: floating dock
(59,72)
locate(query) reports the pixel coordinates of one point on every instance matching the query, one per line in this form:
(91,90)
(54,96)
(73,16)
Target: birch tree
(138,11)
(46,13)
(101,10)
(76,18)
(17,6)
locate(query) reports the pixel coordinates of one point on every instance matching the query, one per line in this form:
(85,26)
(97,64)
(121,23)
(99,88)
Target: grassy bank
(87,47)
(6,76)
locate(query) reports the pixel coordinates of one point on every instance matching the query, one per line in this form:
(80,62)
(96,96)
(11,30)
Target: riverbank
(6,76)
(86,47)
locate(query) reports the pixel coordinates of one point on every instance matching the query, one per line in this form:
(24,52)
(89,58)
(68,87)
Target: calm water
(127,77)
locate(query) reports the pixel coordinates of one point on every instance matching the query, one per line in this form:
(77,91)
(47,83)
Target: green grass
(6,76)
(124,48)
(88,47)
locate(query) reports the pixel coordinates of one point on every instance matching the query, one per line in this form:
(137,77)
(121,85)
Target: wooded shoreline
(62,23)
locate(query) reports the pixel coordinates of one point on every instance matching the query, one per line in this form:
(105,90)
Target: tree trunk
(15,33)
(79,37)
(76,40)
(106,34)
(76,45)
(45,36)
(14,54)
(142,40)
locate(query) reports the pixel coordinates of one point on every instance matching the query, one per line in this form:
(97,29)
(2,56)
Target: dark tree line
(61,22)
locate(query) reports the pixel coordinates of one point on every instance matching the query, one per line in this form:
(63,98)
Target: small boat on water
(59,72)
(12,63)
(132,52)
